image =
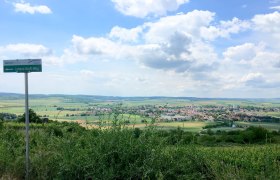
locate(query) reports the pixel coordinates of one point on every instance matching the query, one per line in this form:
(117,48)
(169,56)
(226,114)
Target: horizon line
(116,96)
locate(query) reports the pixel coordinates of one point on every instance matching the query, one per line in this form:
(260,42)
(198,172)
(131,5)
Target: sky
(190,48)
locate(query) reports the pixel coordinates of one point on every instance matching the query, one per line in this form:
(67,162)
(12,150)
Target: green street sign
(22,66)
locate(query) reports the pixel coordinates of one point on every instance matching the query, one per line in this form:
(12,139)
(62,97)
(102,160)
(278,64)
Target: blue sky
(201,48)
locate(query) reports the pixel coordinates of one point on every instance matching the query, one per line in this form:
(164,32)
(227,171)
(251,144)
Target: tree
(33,117)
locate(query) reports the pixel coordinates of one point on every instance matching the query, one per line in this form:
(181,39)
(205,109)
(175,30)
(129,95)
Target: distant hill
(86,98)
(11,96)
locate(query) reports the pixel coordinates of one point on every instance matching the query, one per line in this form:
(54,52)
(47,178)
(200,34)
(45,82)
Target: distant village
(168,113)
(194,113)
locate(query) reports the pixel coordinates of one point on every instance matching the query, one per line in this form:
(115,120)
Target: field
(274,114)
(75,106)
(190,126)
(48,107)
(271,126)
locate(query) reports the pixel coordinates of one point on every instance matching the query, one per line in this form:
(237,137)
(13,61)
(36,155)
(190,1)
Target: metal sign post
(26,127)
(24,66)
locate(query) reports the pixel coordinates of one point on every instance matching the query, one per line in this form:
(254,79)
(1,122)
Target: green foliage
(7,116)
(219,124)
(69,151)
(252,135)
(137,132)
(33,117)
(178,136)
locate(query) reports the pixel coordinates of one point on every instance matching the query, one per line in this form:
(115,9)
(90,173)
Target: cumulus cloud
(244,52)
(249,66)
(250,55)
(26,49)
(183,53)
(182,45)
(158,59)
(225,29)
(69,56)
(101,46)
(92,45)
(178,44)
(125,35)
(266,28)
(189,23)
(266,59)
(172,43)
(178,54)
(144,8)
(28,8)
(252,78)
(198,24)
(268,23)
(257,80)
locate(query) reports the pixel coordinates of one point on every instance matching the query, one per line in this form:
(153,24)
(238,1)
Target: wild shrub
(33,117)
(68,151)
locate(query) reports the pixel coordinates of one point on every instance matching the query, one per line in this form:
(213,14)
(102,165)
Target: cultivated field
(74,108)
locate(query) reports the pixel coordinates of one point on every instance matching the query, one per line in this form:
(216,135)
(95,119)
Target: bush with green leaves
(33,117)
(69,151)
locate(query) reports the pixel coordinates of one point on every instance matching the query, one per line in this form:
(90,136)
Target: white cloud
(126,35)
(224,29)
(248,66)
(254,57)
(258,80)
(92,45)
(275,7)
(28,8)
(70,56)
(252,77)
(266,60)
(189,23)
(175,54)
(26,49)
(266,28)
(143,8)
(100,46)
(178,56)
(244,52)
(268,23)
(52,61)
(172,43)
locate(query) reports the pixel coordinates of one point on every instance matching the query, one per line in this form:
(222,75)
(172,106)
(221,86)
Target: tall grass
(68,151)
